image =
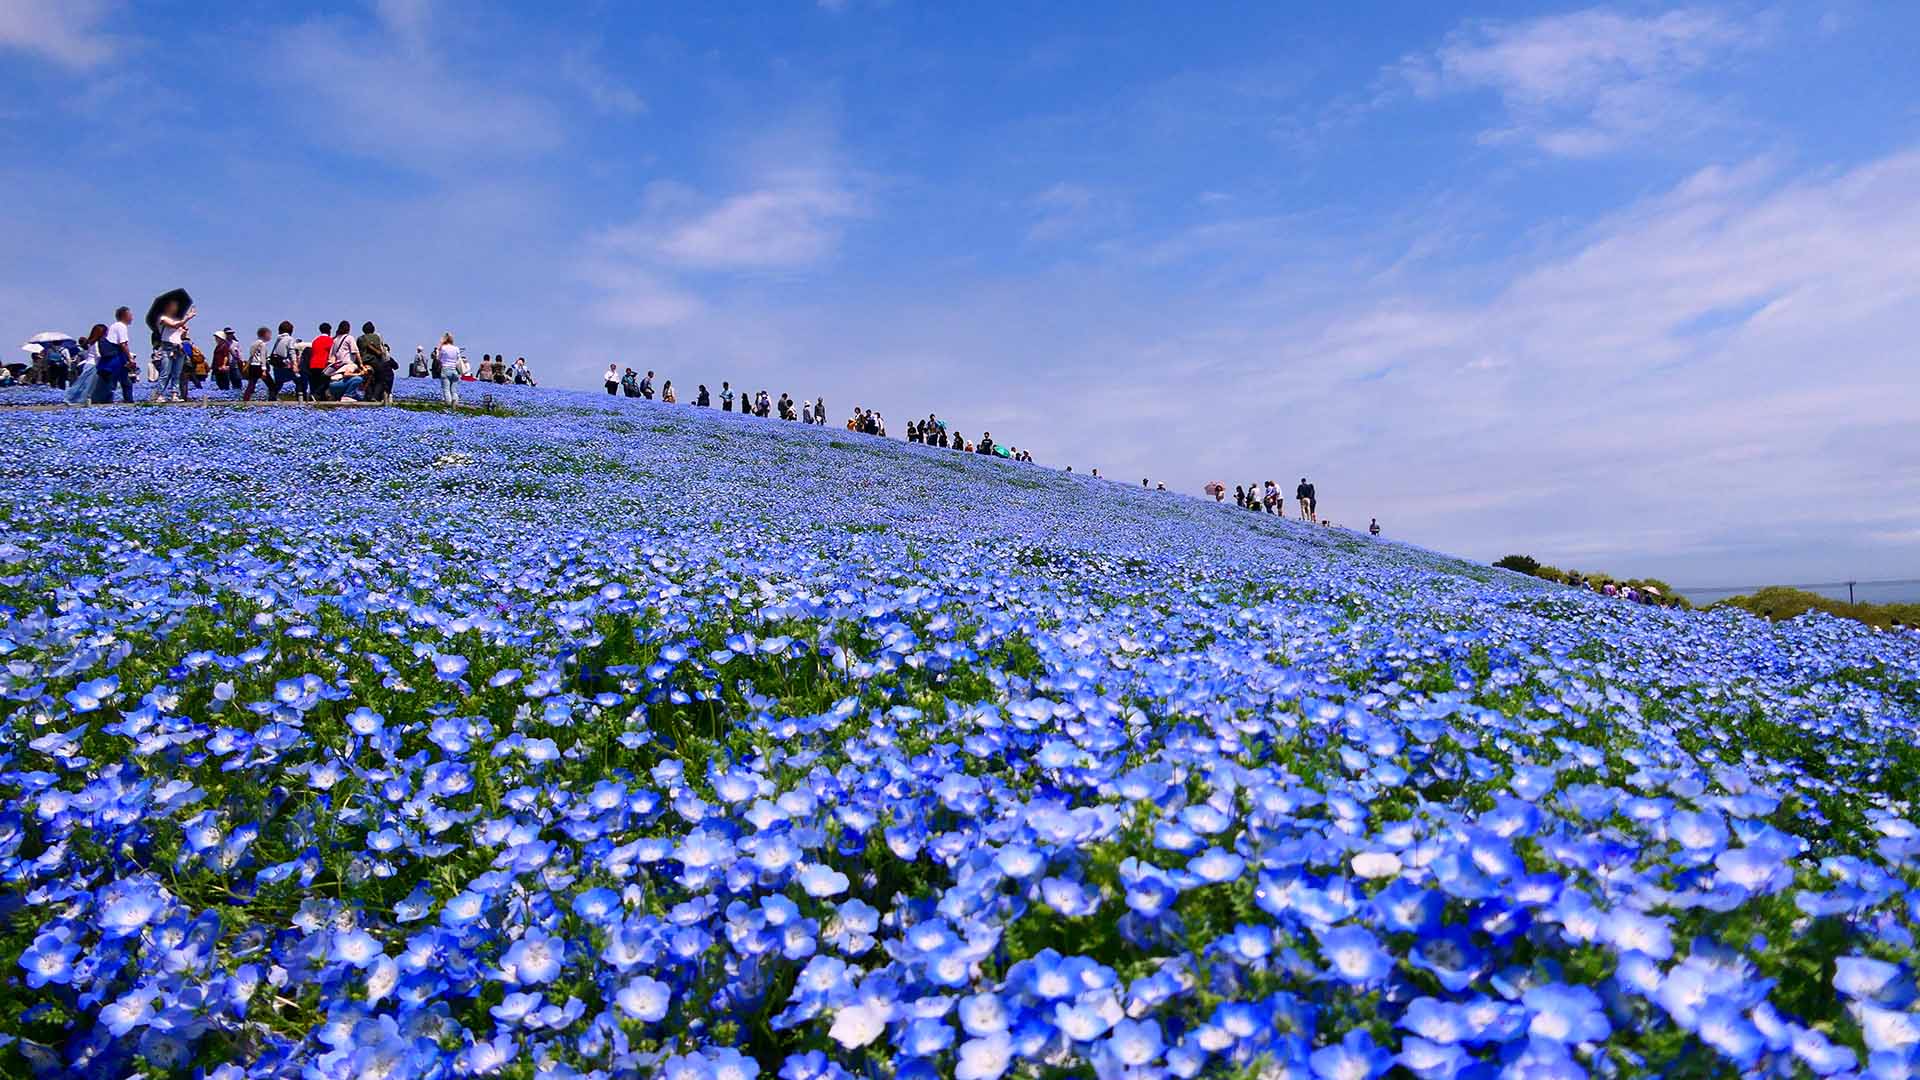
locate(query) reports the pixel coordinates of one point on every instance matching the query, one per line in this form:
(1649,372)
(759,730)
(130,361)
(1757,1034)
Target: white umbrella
(34,349)
(50,335)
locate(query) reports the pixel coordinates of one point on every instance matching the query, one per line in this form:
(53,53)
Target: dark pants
(613,388)
(57,376)
(104,384)
(255,377)
(318,384)
(379,383)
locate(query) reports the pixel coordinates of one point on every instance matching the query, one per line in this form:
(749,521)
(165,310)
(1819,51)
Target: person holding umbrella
(167,318)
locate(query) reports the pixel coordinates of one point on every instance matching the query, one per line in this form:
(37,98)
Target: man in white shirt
(117,374)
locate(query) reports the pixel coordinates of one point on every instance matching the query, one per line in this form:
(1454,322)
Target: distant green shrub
(1521,564)
(1780,602)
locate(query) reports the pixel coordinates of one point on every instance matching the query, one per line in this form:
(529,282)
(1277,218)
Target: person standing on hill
(115,368)
(346,348)
(255,366)
(1373,526)
(820,410)
(169,355)
(283,364)
(317,362)
(379,363)
(646,386)
(666,393)
(223,365)
(726,396)
(1303,493)
(701,399)
(613,379)
(449,356)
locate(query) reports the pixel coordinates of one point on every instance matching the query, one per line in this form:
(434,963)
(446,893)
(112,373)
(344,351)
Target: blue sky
(1632,288)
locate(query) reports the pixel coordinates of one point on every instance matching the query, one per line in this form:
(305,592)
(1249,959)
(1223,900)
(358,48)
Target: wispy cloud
(1066,209)
(1589,82)
(71,33)
(787,216)
(788,212)
(396,96)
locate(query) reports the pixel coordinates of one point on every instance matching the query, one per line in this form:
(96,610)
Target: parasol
(46,336)
(176,296)
(1215,488)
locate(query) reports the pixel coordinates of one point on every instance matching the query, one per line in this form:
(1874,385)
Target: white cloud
(400,95)
(1068,209)
(1588,82)
(637,299)
(791,222)
(786,220)
(71,33)
(408,17)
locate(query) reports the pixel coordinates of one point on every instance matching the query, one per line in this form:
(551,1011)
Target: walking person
(317,363)
(283,365)
(169,358)
(1303,492)
(418,369)
(666,393)
(378,363)
(1373,526)
(613,379)
(254,370)
(646,386)
(450,365)
(115,367)
(226,375)
(86,369)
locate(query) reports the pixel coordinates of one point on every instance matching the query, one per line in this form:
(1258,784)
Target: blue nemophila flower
(50,958)
(92,694)
(1135,1043)
(1430,1060)
(984,1058)
(1354,1057)
(355,948)
(534,959)
(1566,1014)
(645,999)
(1354,955)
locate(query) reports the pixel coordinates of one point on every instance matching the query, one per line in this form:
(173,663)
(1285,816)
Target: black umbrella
(177,297)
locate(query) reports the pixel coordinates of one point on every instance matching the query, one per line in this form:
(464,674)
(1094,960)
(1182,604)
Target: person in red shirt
(317,380)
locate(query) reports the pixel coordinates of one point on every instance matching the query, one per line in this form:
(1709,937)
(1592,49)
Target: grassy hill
(610,738)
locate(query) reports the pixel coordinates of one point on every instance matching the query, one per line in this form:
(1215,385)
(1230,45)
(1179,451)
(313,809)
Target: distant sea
(1891,592)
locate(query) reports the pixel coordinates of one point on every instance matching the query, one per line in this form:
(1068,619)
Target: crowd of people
(448,365)
(933,432)
(337,364)
(762,404)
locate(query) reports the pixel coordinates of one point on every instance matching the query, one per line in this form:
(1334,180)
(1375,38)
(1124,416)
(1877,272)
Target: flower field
(607,738)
